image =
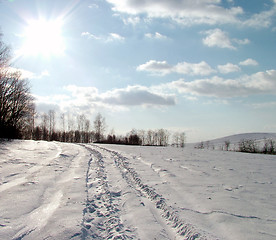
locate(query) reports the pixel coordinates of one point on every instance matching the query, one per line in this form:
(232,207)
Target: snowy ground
(51,190)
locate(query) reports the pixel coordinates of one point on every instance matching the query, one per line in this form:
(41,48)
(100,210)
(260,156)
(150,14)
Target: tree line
(78,129)
(16,101)
(265,146)
(18,117)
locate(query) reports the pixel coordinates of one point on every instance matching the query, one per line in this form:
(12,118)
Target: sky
(203,67)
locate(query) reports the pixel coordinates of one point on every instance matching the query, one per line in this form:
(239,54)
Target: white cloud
(156,35)
(200,69)
(249,62)
(183,11)
(131,20)
(45,73)
(190,12)
(262,19)
(93,5)
(264,105)
(258,83)
(87,99)
(241,41)
(110,38)
(137,95)
(163,68)
(25,74)
(218,38)
(115,37)
(156,67)
(46,103)
(228,68)
(90,35)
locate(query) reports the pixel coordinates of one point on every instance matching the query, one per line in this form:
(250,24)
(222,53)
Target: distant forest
(19,119)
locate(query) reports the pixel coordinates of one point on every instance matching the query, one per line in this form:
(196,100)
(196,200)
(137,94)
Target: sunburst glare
(43,37)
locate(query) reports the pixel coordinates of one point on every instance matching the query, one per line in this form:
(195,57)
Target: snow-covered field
(52,190)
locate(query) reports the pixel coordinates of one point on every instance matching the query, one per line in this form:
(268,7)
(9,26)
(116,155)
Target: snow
(52,190)
(234,140)
(238,137)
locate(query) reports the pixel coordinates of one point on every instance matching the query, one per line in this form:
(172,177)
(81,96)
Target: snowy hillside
(234,141)
(52,190)
(238,137)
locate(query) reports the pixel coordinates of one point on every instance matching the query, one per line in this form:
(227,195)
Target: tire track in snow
(183,229)
(101,216)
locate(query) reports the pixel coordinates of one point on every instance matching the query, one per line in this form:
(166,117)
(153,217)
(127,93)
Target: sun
(43,37)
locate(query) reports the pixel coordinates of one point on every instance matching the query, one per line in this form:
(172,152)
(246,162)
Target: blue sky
(204,67)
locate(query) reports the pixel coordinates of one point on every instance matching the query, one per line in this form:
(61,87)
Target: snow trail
(183,229)
(51,190)
(101,216)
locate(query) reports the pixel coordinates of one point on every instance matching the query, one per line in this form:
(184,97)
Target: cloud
(131,20)
(186,12)
(46,103)
(93,5)
(90,35)
(249,62)
(115,37)
(137,95)
(25,74)
(110,38)
(228,68)
(191,12)
(218,38)
(156,35)
(241,41)
(87,99)
(262,19)
(163,68)
(202,68)
(156,67)
(264,105)
(258,83)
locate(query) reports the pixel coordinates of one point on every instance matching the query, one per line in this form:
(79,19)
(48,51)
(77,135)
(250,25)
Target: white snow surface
(234,140)
(52,190)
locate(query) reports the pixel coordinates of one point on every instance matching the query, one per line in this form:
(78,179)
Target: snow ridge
(183,229)
(101,216)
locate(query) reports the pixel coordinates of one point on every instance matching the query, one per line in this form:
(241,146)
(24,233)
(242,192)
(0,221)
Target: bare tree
(4,53)
(149,137)
(99,127)
(179,139)
(44,126)
(182,139)
(248,145)
(227,145)
(52,122)
(176,140)
(269,146)
(28,125)
(87,131)
(162,137)
(62,120)
(16,102)
(142,136)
